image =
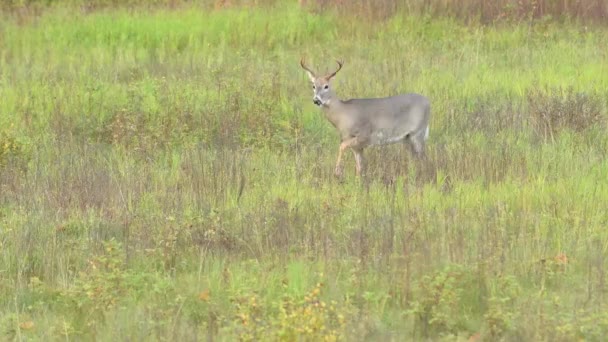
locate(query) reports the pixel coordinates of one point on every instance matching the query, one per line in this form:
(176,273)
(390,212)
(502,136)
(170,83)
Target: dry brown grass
(482,10)
(487,12)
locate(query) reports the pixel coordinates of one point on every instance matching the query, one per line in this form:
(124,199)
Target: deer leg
(416,143)
(343,146)
(358,161)
(338,169)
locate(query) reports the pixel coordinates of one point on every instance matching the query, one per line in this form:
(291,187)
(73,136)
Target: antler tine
(340,63)
(305,67)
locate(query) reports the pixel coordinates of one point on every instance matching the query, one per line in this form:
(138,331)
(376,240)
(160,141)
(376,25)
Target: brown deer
(372,121)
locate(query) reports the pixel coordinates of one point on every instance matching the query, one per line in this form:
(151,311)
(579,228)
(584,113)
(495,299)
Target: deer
(366,122)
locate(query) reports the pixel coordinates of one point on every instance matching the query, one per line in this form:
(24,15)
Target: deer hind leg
(416,143)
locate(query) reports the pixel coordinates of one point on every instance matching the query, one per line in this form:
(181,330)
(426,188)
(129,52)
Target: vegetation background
(164,174)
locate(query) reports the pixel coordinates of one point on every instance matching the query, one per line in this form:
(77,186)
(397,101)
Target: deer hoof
(338,172)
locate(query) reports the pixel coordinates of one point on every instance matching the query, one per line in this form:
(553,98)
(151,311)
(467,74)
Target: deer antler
(335,72)
(310,72)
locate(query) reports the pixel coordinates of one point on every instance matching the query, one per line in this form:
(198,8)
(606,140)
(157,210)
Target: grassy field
(164,175)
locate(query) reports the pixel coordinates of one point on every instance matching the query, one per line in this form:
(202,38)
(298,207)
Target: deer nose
(316,101)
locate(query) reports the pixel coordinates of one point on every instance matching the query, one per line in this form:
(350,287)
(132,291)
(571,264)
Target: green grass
(164,175)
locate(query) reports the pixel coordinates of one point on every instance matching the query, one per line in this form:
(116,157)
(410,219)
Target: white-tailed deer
(375,121)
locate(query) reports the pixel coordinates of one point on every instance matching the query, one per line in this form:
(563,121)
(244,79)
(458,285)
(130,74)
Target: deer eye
(313,86)
(326,87)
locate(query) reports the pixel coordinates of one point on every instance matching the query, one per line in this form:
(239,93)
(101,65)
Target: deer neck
(333,110)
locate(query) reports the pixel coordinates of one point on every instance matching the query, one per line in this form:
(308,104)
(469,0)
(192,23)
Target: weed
(309,318)
(438,302)
(12,150)
(557,110)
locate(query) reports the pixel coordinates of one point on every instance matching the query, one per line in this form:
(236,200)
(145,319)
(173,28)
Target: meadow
(164,175)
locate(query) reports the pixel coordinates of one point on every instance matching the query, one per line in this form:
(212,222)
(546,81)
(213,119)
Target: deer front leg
(343,146)
(358,161)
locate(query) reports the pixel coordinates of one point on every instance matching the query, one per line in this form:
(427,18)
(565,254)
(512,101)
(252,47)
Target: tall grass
(164,175)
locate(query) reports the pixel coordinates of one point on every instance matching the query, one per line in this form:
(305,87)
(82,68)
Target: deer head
(323,94)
